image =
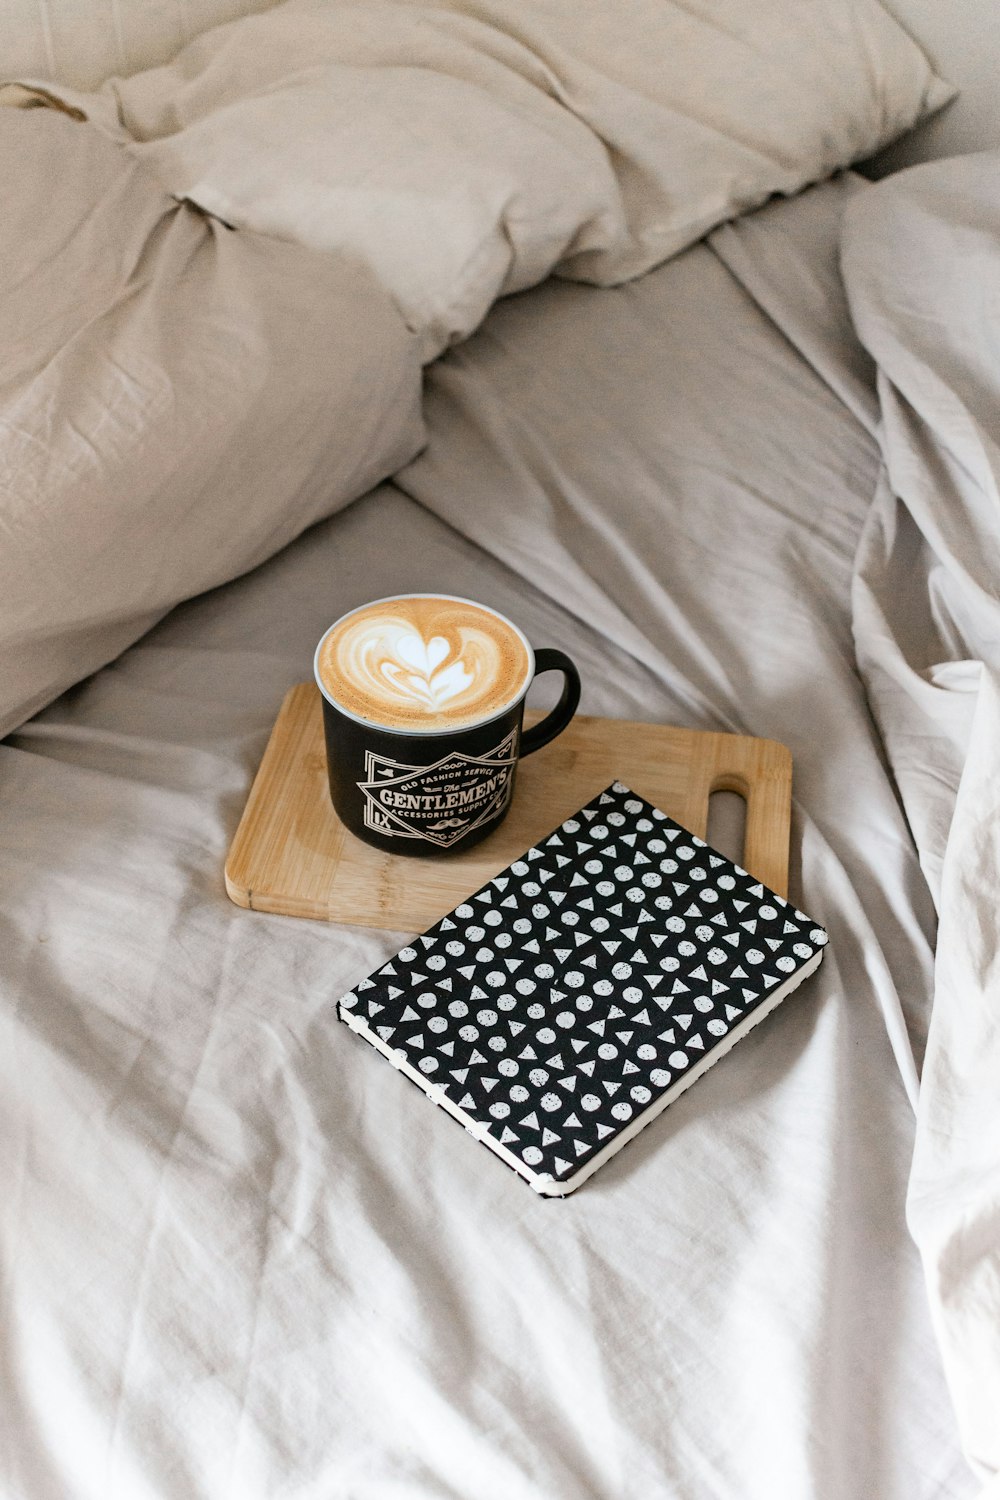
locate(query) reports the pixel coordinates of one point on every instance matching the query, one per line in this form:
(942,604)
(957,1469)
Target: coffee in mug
(423,701)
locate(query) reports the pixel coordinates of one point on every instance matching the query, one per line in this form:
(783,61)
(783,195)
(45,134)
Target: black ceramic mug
(423,702)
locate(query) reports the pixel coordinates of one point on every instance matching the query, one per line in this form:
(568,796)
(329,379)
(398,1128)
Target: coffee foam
(423,663)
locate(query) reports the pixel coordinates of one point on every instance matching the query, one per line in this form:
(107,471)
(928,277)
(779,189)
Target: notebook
(560,1008)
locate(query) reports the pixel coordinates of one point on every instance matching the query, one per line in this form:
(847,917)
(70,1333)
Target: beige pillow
(82,42)
(176,401)
(465,150)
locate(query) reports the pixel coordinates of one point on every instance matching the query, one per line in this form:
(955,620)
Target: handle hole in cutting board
(727,823)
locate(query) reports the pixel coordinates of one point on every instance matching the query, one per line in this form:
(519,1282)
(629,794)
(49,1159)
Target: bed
(753,489)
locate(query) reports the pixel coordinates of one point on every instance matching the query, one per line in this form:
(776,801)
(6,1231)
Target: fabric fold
(921,260)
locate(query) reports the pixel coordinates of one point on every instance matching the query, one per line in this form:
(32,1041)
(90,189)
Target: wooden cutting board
(292,855)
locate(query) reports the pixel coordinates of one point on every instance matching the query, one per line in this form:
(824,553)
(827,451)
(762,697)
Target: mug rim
(418,733)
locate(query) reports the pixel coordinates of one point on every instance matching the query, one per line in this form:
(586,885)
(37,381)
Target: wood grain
(292,855)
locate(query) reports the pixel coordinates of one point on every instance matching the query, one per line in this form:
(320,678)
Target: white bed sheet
(923,275)
(222,1276)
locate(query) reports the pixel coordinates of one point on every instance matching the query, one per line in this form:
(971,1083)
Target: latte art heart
(423,662)
(414,674)
(423,656)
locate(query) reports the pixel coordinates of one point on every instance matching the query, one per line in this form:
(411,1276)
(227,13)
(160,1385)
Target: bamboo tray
(292,855)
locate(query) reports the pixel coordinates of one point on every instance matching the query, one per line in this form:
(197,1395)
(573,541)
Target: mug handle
(551,660)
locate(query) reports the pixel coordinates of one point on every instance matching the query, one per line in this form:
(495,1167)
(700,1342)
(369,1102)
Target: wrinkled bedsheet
(222,1272)
(923,275)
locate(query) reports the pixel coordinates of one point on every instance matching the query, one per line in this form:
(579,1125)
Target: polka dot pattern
(558,1004)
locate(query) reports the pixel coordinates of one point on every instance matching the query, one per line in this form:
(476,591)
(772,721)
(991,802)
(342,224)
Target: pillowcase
(82,42)
(176,401)
(466,149)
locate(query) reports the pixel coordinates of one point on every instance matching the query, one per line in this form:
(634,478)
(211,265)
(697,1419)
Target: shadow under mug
(428,794)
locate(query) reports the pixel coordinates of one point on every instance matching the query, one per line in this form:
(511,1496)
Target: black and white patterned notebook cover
(563,1005)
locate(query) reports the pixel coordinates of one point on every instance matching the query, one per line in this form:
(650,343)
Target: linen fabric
(177,402)
(921,265)
(240,1254)
(922,270)
(464,150)
(83,42)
